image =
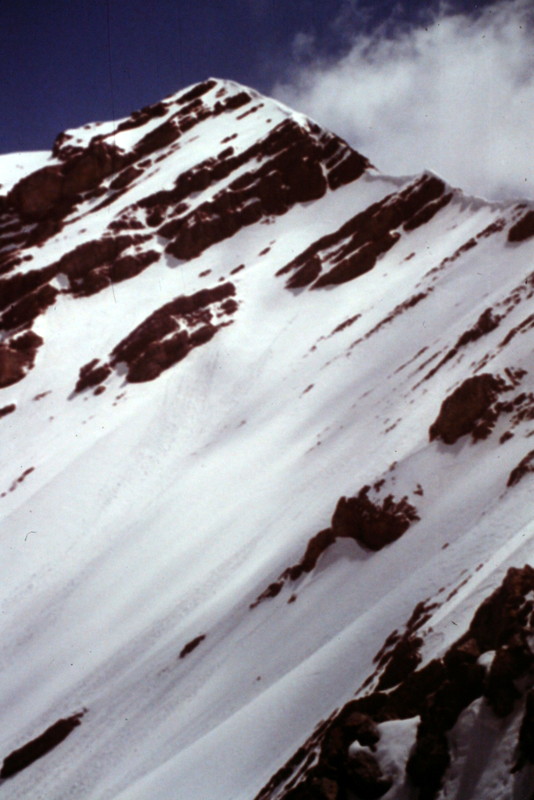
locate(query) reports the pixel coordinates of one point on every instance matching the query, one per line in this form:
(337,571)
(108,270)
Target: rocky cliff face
(266,419)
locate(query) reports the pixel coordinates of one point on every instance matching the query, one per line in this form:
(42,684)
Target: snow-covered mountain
(266,486)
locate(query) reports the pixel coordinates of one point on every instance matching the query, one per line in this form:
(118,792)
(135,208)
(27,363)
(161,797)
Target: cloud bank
(455,96)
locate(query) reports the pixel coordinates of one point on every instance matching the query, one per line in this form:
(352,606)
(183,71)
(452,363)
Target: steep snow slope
(229,472)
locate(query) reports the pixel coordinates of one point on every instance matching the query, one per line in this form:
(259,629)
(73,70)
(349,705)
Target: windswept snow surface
(157,511)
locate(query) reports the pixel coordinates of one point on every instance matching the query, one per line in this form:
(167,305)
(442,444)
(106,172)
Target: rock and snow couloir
(266,419)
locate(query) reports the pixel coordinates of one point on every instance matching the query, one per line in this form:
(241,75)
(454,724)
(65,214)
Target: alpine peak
(266,425)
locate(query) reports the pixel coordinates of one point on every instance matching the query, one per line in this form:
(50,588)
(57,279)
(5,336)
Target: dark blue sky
(68,62)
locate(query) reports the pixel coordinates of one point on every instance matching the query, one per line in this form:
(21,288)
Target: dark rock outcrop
(364,777)
(90,267)
(86,171)
(139,118)
(29,307)
(197,91)
(427,764)
(9,409)
(296,169)
(17,357)
(53,191)
(438,693)
(163,135)
(12,366)
(355,247)
(468,409)
(15,287)
(372,525)
(192,645)
(53,736)
(525,466)
(91,375)
(525,744)
(427,212)
(35,195)
(165,337)
(194,308)
(523,228)
(488,321)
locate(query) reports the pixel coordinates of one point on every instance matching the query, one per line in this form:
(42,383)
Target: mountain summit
(266,487)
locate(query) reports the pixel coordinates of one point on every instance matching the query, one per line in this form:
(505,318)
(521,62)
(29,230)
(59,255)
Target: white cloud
(456,96)
(303,46)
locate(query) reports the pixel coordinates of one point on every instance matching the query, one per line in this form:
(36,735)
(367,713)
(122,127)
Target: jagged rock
(507,666)
(17,357)
(372,525)
(139,118)
(403,660)
(125,177)
(238,174)
(87,170)
(427,212)
(29,307)
(305,274)
(43,230)
(94,265)
(273,590)
(351,167)
(439,691)
(292,173)
(362,728)
(12,366)
(464,654)
(51,191)
(164,320)
(463,410)
(92,375)
(161,136)
(428,762)
(443,707)
(159,356)
(364,777)
(35,195)
(197,91)
(525,744)
(358,263)
(14,288)
(149,349)
(355,247)
(503,613)
(121,269)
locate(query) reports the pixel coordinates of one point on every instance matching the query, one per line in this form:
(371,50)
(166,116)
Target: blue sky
(68,62)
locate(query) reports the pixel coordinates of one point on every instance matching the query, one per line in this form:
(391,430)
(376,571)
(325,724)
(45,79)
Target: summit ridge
(266,418)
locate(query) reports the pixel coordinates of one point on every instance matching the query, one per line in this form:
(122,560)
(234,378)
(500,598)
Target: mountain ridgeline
(266,495)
